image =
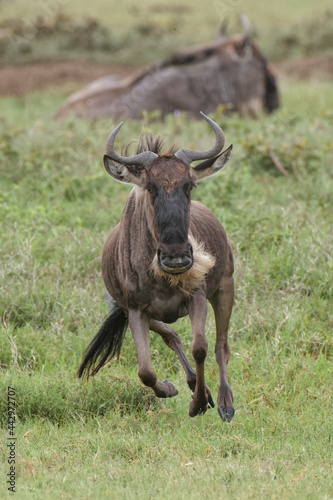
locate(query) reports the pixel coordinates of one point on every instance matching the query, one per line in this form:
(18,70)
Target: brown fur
(150,299)
(171,174)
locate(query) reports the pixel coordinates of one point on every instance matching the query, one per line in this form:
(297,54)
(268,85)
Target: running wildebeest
(231,71)
(165,258)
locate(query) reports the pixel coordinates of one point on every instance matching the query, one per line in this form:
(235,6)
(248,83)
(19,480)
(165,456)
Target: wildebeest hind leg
(139,325)
(222,302)
(172,340)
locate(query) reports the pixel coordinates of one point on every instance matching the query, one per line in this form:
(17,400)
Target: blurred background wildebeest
(231,71)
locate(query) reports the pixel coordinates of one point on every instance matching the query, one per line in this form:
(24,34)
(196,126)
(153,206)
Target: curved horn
(247,28)
(187,155)
(141,159)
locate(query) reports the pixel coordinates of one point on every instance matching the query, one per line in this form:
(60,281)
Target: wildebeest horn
(187,155)
(222,31)
(141,159)
(247,28)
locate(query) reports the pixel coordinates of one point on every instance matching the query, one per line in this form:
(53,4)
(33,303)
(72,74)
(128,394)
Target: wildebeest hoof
(211,403)
(165,389)
(197,409)
(226,413)
(171,389)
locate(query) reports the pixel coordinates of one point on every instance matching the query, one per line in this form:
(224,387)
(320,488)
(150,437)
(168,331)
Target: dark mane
(191,57)
(149,143)
(180,59)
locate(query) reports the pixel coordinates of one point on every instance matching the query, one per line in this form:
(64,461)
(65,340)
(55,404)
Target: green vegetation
(138,34)
(111,438)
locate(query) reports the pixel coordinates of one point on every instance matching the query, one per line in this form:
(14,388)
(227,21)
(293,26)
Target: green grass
(110,437)
(138,34)
(184,15)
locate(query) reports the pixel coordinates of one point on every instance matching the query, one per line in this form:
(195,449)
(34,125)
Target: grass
(111,437)
(186,13)
(141,34)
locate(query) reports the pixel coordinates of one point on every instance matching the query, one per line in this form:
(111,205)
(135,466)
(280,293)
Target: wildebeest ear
(123,173)
(212,165)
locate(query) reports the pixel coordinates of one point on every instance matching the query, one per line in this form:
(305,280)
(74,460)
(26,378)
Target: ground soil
(21,79)
(318,67)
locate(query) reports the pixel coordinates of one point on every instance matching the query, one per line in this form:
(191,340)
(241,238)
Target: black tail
(106,344)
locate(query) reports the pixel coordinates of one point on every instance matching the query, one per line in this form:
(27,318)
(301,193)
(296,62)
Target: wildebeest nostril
(175,262)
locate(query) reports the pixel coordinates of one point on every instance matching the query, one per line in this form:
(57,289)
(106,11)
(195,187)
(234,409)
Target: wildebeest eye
(151,188)
(188,188)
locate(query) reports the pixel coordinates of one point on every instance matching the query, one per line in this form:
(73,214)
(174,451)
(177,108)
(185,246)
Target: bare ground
(319,67)
(19,80)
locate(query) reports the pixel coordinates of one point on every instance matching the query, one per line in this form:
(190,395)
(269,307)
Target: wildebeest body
(164,259)
(142,289)
(232,71)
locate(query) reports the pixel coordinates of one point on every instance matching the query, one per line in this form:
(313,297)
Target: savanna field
(110,437)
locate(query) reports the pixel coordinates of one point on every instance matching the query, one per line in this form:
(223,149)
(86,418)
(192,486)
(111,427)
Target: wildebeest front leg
(198,314)
(172,340)
(222,303)
(139,325)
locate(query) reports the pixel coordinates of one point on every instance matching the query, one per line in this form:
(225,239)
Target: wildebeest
(164,259)
(231,71)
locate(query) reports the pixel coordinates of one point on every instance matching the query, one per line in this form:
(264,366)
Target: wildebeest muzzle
(175,259)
